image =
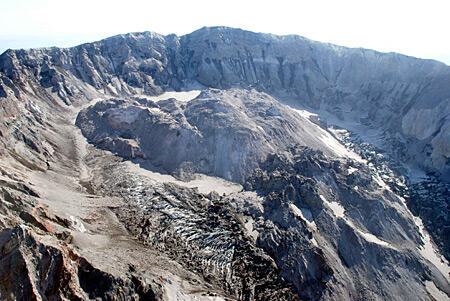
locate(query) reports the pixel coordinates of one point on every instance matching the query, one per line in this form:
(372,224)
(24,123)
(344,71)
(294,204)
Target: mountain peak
(226,164)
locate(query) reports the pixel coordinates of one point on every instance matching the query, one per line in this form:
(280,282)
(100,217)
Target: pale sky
(416,28)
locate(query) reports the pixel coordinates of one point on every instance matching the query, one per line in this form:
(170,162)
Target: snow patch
(314,242)
(77,224)
(249,227)
(304,113)
(380,181)
(429,252)
(435,292)
(155,111)
(370,237)
(339,212)
(205,184)
(183,96)
(333,144)
(326,138)
(351,170)
(304,214)
(337,208)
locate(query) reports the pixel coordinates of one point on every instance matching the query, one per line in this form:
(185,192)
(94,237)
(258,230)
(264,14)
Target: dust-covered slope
(312,219)
(224,133)
(325,217)
(390,92)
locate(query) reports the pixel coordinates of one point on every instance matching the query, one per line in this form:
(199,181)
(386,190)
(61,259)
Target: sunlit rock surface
(222,165)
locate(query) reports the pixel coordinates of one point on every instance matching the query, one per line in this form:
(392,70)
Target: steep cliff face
(390,92)
(315,215)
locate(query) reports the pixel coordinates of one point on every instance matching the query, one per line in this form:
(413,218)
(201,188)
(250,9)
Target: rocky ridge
(312,222)
(390,92)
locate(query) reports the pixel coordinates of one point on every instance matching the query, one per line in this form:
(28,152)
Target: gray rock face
(390,92)
(313,222)
(224,133)
(385,91)
(307,200)
(37,261)
(41,269)
(289,215)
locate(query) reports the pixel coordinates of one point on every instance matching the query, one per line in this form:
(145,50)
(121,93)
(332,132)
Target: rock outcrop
(38,267)
(390,92)
(312,214)
(224,133)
